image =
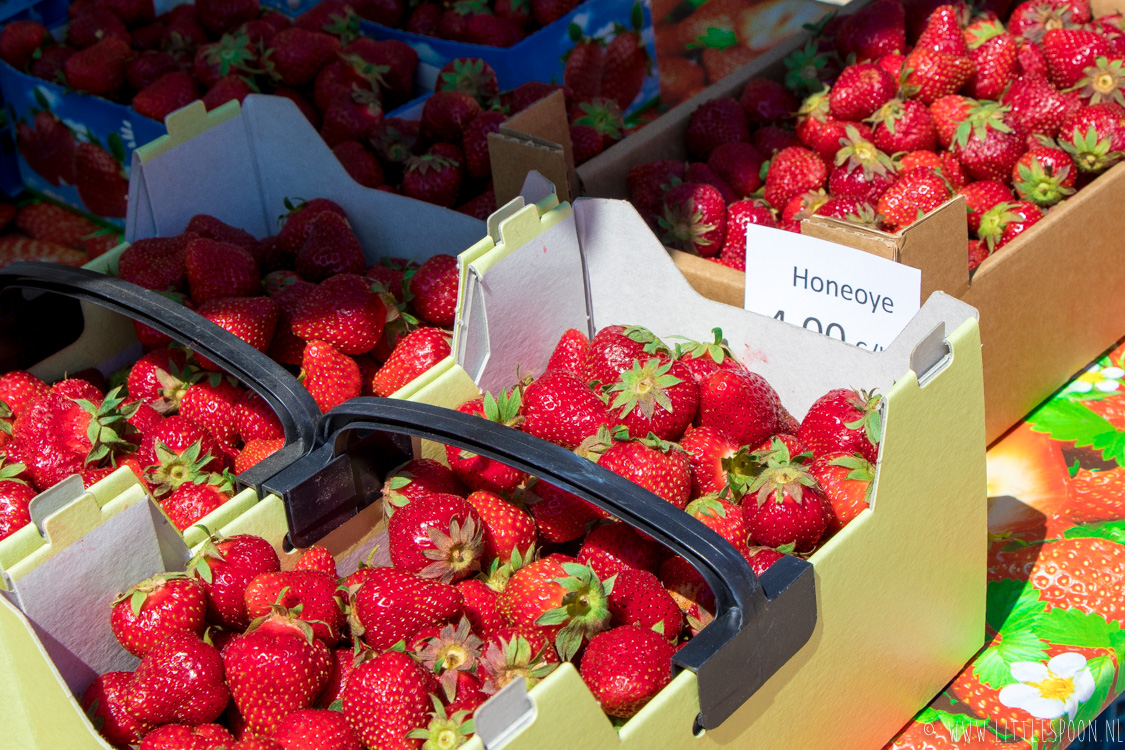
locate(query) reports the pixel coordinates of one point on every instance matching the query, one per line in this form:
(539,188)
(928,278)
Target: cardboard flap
(242,169)
(538,138)
(67,597)
(801,364)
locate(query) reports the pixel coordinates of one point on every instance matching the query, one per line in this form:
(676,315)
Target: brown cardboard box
(1049,301)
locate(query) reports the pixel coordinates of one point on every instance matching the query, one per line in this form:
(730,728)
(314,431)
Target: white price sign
(832,289)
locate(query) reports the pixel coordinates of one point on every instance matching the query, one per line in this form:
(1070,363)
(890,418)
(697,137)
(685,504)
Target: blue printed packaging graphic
(73,147)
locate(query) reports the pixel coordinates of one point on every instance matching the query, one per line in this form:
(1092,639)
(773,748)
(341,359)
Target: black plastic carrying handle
(288,398)
(758,625)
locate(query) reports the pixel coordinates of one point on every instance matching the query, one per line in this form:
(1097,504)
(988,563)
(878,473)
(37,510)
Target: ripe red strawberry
(877,30)
(943,32)
(297,55)
(1070,51)
(100,180)
(792,172)
(275,668)
(392,605)
(536,596)
(559,515)
(190,502)
(647,184)
(469,75)
(584,70)
(862,171)
(386,698)
(311,590)
(562,408)
(506,527)
(342,311)
(702,359)
(434,287)
(447,113)
(184,737)
(571,353)
(707,450)
(986,145)
(843,420)
(100,68)
(739,405)
(612,548)
(219,269)
(256,419)
(934,74)
(723,517)
(614,349)
(19,388)
(160,379)
(437,536)
(626,65)
(165,95)
(313,729)
(180,680)
(1031,20)
(475,142)
(19,40)
(415,353)
(656,395)
(860,90)
(739,165)
(638,598)
(1044,176)
(224,567)
(329,376)
(626,667)
(903,125)
(15,497)
(845,479)
(156,263)
(318,559)
(1103,81)
(104,704)
(1094,136)
(995,60)
(978,252)
(154,608)
(481,606)
(355,116)
(914,194)
(213,404)
(982,196)
(252,319)
(48,146)
(694,219)
(948,113)
(175,448)
(1037,107)
(714,123)
(255,451)
(1006,221)
(329,247)
(782,504)
(660,467)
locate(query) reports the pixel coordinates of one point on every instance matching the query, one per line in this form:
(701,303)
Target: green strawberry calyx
(1103,81)
(644,387)
(506,659)
(717,351)
(451,651)
(780,475)
(444,732)
(138,594)
(1040,184)
(584,611)
(453,553)
(174,469)
(109,427)
(871,421)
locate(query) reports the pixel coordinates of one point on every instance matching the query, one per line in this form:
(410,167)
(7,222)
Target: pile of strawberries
(892,111)
(307,298)
(493,574)
(40,230)
(181,426)
(216,50)
(500,23)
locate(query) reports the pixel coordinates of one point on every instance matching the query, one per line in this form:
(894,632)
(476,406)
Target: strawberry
(275,668)
(435,176)
(903,125)
(985,144)
(469,75)
(184,737)
(156,263)
(638,598)
(100,68)
(475,142)
(481,606)
(616,547)
(391,605)
(228,88)
(1044,176)
(415,353)
(539,595)
(995,61)
(354,116)
(256,451)
(342,311)
(386,698)
(180,680)
(318,559)
(584,68)
(156,607)
(560,407)
(626,667)
(707,450)
(792,172)
(104,704)
(738,405)
(860,90)
(943,32)
(516,652)
(434,290)
(252,319)
(614,349)
(446,113)
(160,379)
(767,102)
(219,269)
(714,123)
(723,517)
(1103,81)
(329,247)
(878,29)
(145,67)
(1031,20)
(739,165)
(1037,107)
(845,479)
(570,353)
(329,376)
(100,180)
(559,515)
(177,450)
(782,504)
(313,591)
(658,466)
(165,95)
(295,56)
(934,74)
(978,252)
(437,536)
(843,420)
(224,567)
(1005,221)
(506,527)
(980,197)
(52,223)
(15,497)
(647,184)
(190,502)
(1094,136)
(19,40)
(213,405)
(451,654)
(19,389)
(420,477)
(862,171)
(694,219)
(313,729)
(625,68)
(915,193)
(659,396)
(1070,51)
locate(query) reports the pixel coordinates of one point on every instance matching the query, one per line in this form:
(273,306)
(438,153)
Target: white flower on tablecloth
(1098,378)
(1047,691)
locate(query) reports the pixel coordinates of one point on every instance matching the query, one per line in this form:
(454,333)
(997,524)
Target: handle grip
(293,405)
(732,656)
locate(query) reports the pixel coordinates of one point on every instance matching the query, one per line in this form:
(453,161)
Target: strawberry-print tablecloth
(1056,582)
